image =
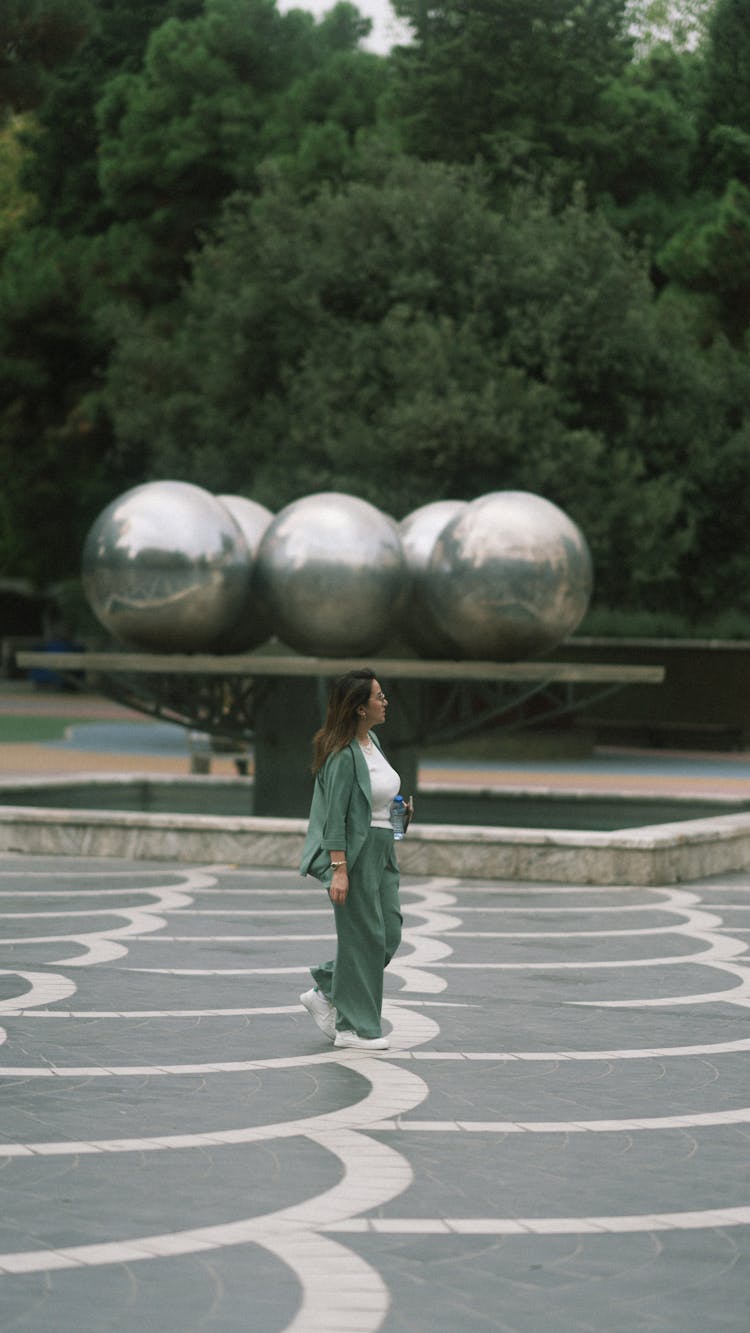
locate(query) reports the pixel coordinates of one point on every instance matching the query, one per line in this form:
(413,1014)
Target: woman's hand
(409,813)
(339,885)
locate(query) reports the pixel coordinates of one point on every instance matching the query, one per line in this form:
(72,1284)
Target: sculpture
(509,577)
(419,532)
(251,627)
(169,567)
(331,575)
(165,568)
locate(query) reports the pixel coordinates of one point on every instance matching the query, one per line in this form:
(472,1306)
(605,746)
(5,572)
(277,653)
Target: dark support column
(287,714)
(288,711)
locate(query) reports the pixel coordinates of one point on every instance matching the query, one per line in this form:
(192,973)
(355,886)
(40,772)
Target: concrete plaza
(556,1141)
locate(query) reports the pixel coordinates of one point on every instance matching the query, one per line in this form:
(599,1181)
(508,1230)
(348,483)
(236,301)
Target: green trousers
(368,933)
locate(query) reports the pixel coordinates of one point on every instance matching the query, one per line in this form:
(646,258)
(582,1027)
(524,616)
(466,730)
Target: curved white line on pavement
(255,911)
(301,971)
(101,946)
(707,957)
(386,1175)
(698,1120)
(702,1220)
(154,1013)
(194,877)
(86,912)
(297,1249)
(670,894)
(329,1056)
(711,1050)
(628,1053)
(44,988)
(339,1289)
(523,910)
(230,939)
(391,1087)
(738,995)
(560,934)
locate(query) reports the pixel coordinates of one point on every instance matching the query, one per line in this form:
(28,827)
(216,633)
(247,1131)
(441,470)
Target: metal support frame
(276,702)
(223,695)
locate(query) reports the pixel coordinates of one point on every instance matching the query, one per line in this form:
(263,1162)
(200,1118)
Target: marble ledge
(658,854)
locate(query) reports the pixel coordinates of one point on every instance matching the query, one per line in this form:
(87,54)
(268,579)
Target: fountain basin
(556,837)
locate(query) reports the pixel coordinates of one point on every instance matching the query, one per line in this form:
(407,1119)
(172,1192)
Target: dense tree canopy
(237,248)
(479,348)
(518,84)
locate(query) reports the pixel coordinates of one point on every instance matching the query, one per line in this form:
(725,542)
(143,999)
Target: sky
(386,32)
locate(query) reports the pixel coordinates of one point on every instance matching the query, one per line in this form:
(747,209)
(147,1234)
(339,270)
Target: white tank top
(384,785)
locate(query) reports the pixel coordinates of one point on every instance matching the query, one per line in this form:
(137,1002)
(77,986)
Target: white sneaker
(321,1010)
(358,1043)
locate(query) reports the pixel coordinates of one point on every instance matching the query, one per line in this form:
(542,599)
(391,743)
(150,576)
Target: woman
(349,846)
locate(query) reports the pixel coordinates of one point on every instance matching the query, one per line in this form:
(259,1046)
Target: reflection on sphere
(165,568)
(509,577)
(419,532)
(331,575)
(251,626)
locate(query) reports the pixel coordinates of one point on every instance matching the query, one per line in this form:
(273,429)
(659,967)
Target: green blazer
(341,811)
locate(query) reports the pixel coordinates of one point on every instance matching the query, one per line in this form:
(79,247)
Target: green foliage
(35,37)
(405,328)
(15,202)
(517,84)
(679,24)
(63,172)
(641,172)
(611,623)
(401,329)
(157,114)
(727,76)
(711,256)
(216,96)
(52,450)
(317,128)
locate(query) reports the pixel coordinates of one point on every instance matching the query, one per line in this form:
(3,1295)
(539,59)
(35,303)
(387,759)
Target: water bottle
(397,815)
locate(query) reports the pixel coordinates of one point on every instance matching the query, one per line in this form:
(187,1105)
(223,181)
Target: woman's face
(376,706)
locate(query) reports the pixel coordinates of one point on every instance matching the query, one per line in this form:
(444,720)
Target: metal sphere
(509,577)
(165,568)
(251,627)
(331,574)
(419,532)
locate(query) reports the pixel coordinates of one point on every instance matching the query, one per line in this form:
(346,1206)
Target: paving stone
(556,1141)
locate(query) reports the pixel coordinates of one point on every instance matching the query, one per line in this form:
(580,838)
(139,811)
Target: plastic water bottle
(397,815)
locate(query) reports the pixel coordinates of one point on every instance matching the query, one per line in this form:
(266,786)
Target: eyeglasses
(381,697)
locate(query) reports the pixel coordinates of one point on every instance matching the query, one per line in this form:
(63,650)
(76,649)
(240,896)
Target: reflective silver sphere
(509,577)
(165,568)
(251,627)
(330,573)
(419,531)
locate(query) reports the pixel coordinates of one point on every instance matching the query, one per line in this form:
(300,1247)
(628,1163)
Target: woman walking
(349,846)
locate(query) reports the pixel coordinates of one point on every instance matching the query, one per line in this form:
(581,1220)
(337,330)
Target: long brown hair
(348,693)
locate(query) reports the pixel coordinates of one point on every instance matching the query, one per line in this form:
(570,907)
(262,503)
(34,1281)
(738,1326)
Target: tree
(711,256)
(517,84)
(190,101)
(641,168)
(399,329)
(216,95)
(16,202)
(679,25)
(36,36)
(53,456)
(727,65)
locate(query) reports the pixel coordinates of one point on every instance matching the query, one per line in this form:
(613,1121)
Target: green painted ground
(28,730)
